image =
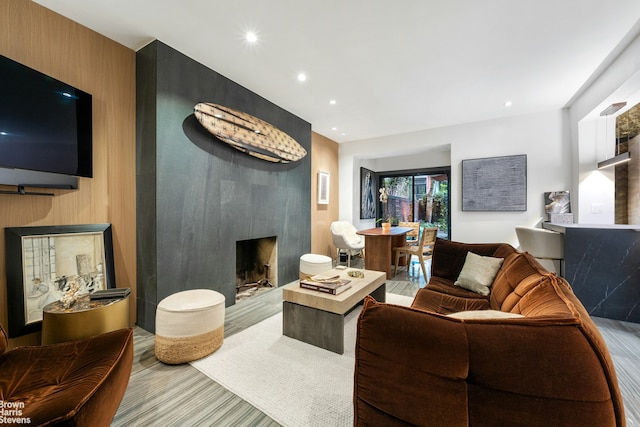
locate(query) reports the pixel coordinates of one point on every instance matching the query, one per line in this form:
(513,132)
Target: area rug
(294,383)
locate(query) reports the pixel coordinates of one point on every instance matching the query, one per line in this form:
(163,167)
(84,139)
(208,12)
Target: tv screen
(45,124)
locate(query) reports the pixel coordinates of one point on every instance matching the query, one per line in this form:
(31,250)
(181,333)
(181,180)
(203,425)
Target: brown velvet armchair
(79,383)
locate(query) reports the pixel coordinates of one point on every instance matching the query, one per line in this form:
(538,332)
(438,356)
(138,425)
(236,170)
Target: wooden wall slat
(324,157)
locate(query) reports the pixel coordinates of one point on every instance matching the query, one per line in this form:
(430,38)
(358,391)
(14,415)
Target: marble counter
(602,264)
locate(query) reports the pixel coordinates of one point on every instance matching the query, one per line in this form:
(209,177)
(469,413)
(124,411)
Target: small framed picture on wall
(323,188)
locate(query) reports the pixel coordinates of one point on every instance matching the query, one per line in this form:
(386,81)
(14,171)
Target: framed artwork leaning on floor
(41,260)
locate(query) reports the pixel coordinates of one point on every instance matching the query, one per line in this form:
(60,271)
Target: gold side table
(83,319)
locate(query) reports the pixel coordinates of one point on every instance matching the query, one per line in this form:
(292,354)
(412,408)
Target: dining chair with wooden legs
(414,235)
(424,250)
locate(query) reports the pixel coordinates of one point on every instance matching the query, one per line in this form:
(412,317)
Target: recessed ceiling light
(334,128)
(302,77)
(508,103)
(251,37)
(332,102)
(343,134)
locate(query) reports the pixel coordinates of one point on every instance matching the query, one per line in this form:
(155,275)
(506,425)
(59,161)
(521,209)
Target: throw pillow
(484,314)
(478,273)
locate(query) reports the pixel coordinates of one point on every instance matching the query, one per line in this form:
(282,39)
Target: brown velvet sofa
(549,367)
(79,383)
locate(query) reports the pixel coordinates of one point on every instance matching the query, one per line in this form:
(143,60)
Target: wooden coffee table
(318,318)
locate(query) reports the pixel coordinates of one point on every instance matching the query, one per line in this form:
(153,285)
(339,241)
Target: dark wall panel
(145,186)
(601,264)
(209,195)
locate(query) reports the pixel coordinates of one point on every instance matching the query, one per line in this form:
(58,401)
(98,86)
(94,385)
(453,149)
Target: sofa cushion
(449,256)
(442,296)
(546,300)
(519,274)
(439,302)
(484,314)
(478,273)
(445,286)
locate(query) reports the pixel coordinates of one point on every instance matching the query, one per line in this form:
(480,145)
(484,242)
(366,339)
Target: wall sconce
(619,157)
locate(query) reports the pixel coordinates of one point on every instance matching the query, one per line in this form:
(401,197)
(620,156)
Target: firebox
(256,265)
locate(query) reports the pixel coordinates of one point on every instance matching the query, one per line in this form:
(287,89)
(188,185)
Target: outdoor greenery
(397,202)
(399,186)
(440,212)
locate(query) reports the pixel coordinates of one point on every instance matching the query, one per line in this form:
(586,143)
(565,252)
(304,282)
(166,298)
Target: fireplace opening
(256,266)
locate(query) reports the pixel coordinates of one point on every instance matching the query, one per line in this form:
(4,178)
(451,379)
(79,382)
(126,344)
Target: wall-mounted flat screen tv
(45,124)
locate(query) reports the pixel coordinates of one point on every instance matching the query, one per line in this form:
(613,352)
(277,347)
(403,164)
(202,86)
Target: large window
(417,196)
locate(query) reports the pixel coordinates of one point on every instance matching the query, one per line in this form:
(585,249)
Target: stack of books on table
(329,284)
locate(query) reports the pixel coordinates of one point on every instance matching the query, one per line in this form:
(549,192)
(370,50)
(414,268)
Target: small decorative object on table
(557,205)
(384,198)
(356,273)
(69,297)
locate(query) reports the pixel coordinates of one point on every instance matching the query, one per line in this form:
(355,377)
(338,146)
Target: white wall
(543,137)
(562,147)
(596,188)
(440,156)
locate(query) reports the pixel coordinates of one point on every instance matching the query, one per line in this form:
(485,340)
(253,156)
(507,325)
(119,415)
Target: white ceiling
(392,67)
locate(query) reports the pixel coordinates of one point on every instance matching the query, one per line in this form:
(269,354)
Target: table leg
(380,294)
(398,242)
(316,327)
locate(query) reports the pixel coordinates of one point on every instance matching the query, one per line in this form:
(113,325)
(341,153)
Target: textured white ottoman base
(176,350)
(189,325)
(312,264)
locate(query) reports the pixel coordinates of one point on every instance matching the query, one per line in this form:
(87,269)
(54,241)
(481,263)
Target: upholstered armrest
(399,355)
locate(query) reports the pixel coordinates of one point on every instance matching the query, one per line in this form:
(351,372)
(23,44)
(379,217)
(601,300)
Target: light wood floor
(163,395)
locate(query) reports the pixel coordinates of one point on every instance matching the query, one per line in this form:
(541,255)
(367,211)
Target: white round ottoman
(189,325)
(312,264)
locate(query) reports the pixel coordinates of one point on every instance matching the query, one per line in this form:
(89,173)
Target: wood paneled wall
(63,49)
(324,157)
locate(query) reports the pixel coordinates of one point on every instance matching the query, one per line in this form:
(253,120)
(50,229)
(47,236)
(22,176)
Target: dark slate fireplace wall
(196,196)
